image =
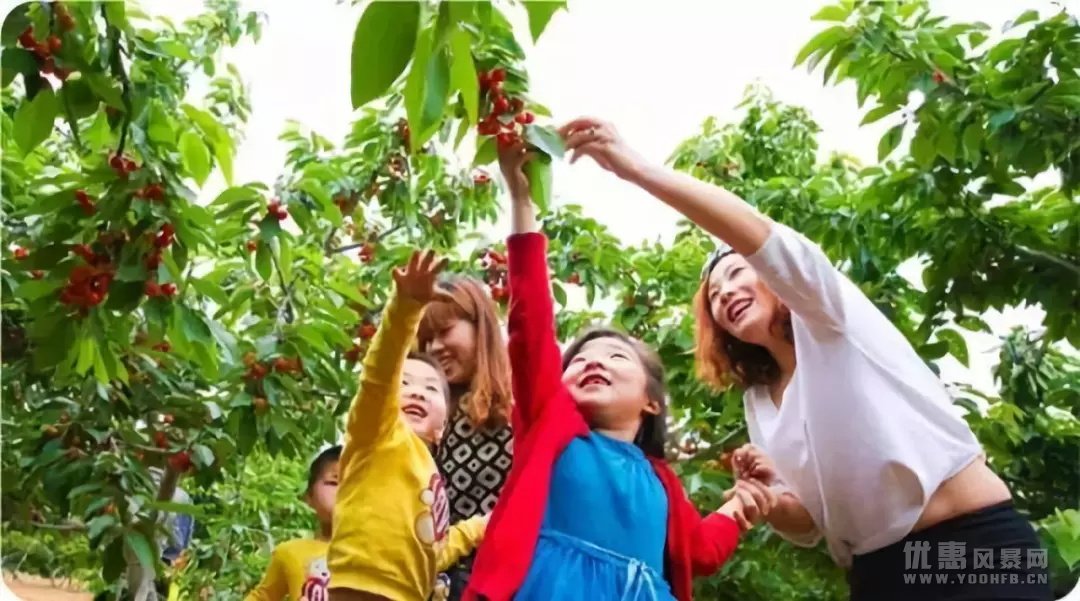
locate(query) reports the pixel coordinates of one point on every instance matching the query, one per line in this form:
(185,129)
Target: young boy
(391,523)
(297,569)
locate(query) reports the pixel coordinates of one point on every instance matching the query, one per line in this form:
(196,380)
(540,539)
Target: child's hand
(417,280)
(512,160)
(748,502)
(749,461)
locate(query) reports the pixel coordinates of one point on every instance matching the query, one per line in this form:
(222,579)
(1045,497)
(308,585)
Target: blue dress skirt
(604,529)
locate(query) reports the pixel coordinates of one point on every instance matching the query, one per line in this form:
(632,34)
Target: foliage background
(948,198)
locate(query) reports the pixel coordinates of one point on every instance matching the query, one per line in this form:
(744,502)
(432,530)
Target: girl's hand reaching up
(417,280)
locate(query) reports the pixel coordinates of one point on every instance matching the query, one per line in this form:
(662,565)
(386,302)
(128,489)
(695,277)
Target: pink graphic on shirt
(318,578)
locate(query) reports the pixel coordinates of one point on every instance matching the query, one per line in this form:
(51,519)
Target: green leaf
(114,365)
(106,89)
(223,152)
(972,142)
(31,290)
(878,113)
(14,61)
(195,156)
(890,141)
(1026,17)
(540,13)
(99,524)
(159,128)
(463,72)
(486,152)
(87,352)
(936,350)
(208,288)
(546,139)
(976,39)
(140,546)
(202,455)
(538,172)
(832,13)
(383,42)
(1000,118)
(15,23)
(822,41)
(195,329)
(33,121)
(427,89)
(80,98)
(263,263)
(922,148)
(973,323)
(957,345)
(946,143)
(101,371)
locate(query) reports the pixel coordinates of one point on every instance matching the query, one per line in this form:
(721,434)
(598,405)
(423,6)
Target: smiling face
(608,380)
(454,347)
(740,302)
(423,399)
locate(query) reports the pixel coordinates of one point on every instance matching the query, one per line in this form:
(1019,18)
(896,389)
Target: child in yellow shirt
(391,531)
(297,569)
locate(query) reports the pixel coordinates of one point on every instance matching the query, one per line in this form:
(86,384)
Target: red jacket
(545,419)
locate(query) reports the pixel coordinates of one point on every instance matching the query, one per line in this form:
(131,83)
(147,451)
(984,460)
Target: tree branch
(117,67)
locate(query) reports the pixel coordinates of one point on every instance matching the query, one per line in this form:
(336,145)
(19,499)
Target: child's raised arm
(463,538)
(536,365)
(374,411)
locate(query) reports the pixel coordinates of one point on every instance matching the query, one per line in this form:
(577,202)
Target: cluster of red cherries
(506,118)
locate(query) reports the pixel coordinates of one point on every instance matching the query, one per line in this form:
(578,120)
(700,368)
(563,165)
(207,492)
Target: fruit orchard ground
(34,588)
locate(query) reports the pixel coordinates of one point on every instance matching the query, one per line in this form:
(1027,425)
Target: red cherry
(180,461)
(353,355)
(495,89)
(88,209)
(483,77)
(574,278)
(48,67)
(281,365)
(168,289)
(168,229)
(367,331)
(500,105)
(488,127)
(498,292)
(117,162)
(37,274)
(81,196)
(67,22)
(162,347)
(497,75)
(153,260)
(524,118)
(83,250)
(161,440)
(41,49)
(481,179)
(506,139)
(281,214)
(94,298)
(54,44)
(938,77)
(21,253)
(62,74)
(252,246)
(26,39)
(152,288)
(129,165)
(367,252)
(516,105)
(167,418)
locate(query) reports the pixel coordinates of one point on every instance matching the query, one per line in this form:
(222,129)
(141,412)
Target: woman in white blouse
(845,420)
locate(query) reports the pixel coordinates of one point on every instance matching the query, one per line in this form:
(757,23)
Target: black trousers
(459,578)
(993,553)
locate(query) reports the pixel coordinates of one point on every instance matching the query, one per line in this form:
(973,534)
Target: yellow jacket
(391,521)
(297,571)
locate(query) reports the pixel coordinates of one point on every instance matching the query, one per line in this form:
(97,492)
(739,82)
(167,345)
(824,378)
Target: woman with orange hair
(846,420)
(465,337)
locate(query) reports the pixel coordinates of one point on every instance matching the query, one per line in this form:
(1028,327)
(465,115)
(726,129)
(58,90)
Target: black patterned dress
(475,463)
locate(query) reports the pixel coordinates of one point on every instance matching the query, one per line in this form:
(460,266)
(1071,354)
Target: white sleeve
(800,274)
(809,538)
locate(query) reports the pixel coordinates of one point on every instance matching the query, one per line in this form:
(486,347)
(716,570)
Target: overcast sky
(655,69)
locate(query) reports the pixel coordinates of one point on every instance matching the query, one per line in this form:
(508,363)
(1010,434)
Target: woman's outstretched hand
(749,461)
(748,502)
(591,137)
